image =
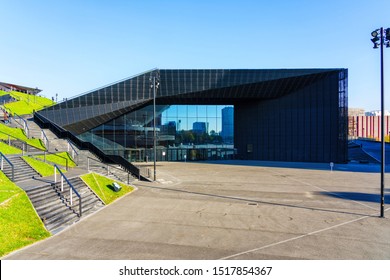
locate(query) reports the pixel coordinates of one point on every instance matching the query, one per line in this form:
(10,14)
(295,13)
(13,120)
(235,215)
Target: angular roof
(178,86)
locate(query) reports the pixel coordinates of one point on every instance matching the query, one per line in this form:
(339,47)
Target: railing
(2,165)
(45,139)
(50,153)
(145,171)
(61,133)
(71,188)
(25,145)
(108,167)
(75,154)
(25,125)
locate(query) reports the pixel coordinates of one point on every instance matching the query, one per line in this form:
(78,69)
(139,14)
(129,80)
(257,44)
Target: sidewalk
(232,211)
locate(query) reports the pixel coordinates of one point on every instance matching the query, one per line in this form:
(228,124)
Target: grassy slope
(18,133)
(19,223)
(43,168)
(59,159)
(22,107)
(102,186)
(9,150)
(27,103)
(33,99)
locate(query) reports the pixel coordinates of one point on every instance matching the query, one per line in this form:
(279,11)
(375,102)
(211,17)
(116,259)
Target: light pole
(155,82)
(146,143)
(381,39)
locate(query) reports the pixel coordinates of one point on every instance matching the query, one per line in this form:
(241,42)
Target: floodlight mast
(384,39)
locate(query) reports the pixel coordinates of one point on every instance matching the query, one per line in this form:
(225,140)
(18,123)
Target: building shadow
(347,167)
(357,196)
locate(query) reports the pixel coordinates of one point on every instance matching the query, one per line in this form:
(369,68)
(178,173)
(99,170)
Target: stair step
(60,216)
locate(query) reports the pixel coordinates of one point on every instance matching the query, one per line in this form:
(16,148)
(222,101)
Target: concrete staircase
(22,171)
(112,171)
(53,206)
(20,145)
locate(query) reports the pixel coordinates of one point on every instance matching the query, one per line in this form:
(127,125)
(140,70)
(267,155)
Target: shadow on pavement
(347,167)
(365,197)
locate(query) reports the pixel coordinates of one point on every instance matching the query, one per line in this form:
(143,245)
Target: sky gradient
(70,47)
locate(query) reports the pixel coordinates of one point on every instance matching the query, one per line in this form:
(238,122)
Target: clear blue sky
(69,47)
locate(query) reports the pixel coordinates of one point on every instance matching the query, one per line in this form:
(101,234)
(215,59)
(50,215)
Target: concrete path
(233,211)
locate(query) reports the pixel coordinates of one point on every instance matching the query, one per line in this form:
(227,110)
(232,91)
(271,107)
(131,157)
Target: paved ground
(246,210)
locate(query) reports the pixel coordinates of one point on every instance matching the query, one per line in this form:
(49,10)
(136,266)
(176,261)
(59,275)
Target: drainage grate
(252,203)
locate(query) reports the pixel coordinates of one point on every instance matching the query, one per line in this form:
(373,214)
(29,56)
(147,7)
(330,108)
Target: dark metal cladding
(279,114)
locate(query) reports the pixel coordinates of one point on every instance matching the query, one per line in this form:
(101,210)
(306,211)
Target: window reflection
(177,126)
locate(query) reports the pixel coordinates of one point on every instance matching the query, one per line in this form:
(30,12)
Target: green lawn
(43,168)
(9,150)
(59,159)
(26,103)
(21,107)
(18,133)
(19,223)
(102,186)
(32,99)
(2,92)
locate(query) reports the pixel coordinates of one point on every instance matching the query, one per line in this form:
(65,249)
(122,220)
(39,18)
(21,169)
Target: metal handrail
(18,139)
(12,166)
(25,125)
(73,151)
(50,153)
(70,187)
(108,168)
(62,133)
(45,139)
(145,171)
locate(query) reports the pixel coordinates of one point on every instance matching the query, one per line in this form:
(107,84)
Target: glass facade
(191,130)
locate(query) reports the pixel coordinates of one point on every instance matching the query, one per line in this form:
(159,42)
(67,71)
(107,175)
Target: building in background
(367,125)
(279,115)
(227,132)
(200,127)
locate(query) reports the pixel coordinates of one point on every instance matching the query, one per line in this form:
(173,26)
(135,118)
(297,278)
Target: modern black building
(279,115)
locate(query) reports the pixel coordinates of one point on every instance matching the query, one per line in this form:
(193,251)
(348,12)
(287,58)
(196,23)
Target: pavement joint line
(296,238)
(247,199)
(325,190)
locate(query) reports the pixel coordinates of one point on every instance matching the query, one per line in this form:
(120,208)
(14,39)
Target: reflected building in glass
(280,115)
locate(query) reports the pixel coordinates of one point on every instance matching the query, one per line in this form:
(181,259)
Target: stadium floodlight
(384,40)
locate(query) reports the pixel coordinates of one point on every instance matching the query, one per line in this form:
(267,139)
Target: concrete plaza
(234,210)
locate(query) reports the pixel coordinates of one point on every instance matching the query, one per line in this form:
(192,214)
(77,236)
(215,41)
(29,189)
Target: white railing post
(1,162)
(68,146)
(62,183)
(55,175)
(71,198)
(88,163)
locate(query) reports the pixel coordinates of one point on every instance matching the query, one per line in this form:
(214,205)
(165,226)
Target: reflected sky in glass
(185,115)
